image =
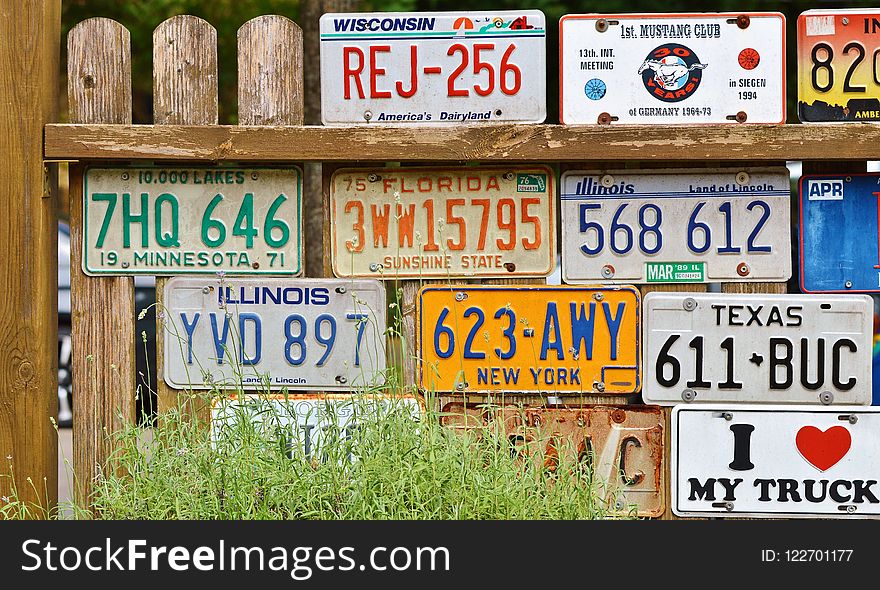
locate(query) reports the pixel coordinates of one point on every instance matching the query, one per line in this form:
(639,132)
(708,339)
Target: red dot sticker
(749,59)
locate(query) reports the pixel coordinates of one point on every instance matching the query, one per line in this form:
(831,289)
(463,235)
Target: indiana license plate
(712,347)
(667,69)
(443,222)
(676,226)
(529,339)
(161,221)
(428,68)
(255,333)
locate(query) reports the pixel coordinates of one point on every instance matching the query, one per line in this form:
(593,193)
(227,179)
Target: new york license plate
(443,222)
(676,226)
(529,339)
(256,333)
(712,347)
(428,68)
(672,68)
(161,221)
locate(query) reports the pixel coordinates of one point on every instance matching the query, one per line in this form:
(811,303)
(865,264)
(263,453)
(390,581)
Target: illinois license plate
(443,222)
(623,447)
(676,226)
(428,68)
(667,69)
(775,461)
(840,233)
(837,54)
(314,334)
(160,221)
(529,339)
(711,347)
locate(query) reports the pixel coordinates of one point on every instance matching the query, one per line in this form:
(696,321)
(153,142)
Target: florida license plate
(772,349)
(529,339)
(667,69)
(443,222)
(676,226)
(429,68)
(262,334)
(161,221)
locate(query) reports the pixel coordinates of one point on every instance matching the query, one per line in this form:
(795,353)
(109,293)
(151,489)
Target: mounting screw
(341,379)
(848,179)
(688,395)
(619,505)
(508,176)
(851,509)
(618,416)
(853,418)
(206,290)
(256,265)
(742,269)
(848,284)
(374,267)
(601,25)
(826,397)
(368,115)
(373,177)
(498,112)
(742,21)
(607,180)
(727,416)
(741,116)
(844,20)
(742,178)
(604,119)
(607,271)
(340,290)
(729,505)
(689,304)
(599,386)
(598,296)
(460,296)
(124,265)
(460,386)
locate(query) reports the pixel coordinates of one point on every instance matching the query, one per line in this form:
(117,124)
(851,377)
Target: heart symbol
(823,449)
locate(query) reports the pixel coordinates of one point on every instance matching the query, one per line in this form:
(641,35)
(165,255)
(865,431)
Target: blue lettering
(556,344)
(219,342)
(243,318)
(582,329)
(613,325)
(510,375)
(189,328)
(482,376)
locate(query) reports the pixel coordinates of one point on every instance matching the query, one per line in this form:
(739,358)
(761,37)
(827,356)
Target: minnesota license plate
(443,222)
(428,68)
(712,347)
(676,226)
(837,54)
(529,339)
(256,333)
(775,461)
(623,447)
(667,69)
(840,233)
(160,221)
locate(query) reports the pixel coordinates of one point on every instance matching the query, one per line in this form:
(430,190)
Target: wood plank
(104,380)
(512,143)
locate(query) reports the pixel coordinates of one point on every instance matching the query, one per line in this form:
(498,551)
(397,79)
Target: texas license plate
(712,347)
(160,221)
(775,461)
(623,447)
(672,68)
(840,233)
(313,334)
(418,68)
(443,222)
(529,339)
(676,226)
(837,66)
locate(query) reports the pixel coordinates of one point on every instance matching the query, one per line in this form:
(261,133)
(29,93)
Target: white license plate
(312,334)
(667,69)
(676,226)
(428,68)
(160,221)
(775,461)
(774,349)
(443,222)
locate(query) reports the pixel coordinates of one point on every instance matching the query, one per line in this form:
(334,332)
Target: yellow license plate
(529,339)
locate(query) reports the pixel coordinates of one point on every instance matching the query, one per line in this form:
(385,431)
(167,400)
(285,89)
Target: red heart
(823,449)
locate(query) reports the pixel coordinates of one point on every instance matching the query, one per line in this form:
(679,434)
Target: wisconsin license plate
(837,54)
(709,347)
(313,334)
(840,233)
(622,446)
(775,461)
(667,69)
(529,339)
(443,222)
(676,226)
(160,221)
(418,68)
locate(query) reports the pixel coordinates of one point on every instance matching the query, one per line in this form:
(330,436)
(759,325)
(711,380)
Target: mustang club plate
(667,69)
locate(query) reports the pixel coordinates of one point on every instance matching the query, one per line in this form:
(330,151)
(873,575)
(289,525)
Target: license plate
(775,461)
(622,446)
(443,222)
(837,54)
(160,221)
(428,68)
(840,233)
(676,226)
(712,347)
(529,339)
(666,69)
(313,334)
